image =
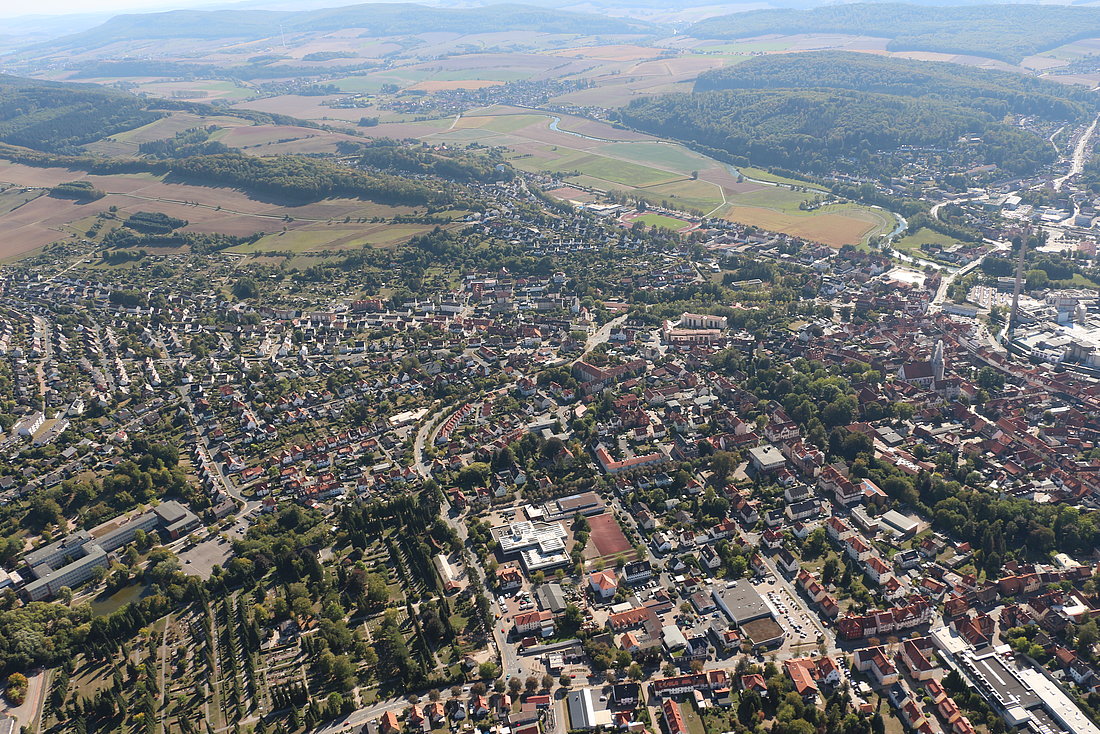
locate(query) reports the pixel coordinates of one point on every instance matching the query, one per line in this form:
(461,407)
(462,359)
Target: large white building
(539,545)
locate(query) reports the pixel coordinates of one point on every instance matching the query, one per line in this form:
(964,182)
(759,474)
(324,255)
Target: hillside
(381,19)
(59,117)
(1006,32)
(823,112)
(46,123)
(995,92)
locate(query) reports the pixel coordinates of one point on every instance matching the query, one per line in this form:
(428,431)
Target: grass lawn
(660,220)
(1077,281)
(692,719)
(924,236)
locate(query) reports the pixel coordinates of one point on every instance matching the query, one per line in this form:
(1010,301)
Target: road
(599,336)
(950,278)
(947,280)
(1080,152)
(204,448)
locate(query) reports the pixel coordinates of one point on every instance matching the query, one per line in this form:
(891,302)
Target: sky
(13,9)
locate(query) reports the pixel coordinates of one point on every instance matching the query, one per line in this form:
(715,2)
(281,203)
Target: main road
(1080,152)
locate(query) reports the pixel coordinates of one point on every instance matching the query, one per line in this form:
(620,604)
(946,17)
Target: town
(830,491)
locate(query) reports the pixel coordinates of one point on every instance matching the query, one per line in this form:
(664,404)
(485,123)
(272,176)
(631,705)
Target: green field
(500,123)
(408,77)
(773,197)
(599,167)
(923,236)
(333,238)
(214,88)
(662,155)
(660,220)
(761,175)
(685,193)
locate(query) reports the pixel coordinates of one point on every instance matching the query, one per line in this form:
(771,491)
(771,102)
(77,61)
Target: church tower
(937,361)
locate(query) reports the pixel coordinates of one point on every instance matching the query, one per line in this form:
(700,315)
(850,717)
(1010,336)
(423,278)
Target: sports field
(606,535)
(659,220)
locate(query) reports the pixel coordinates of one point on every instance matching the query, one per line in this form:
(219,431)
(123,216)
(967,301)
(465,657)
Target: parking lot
(791,613)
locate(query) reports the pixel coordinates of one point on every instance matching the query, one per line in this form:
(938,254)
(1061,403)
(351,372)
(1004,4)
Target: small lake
(105,604)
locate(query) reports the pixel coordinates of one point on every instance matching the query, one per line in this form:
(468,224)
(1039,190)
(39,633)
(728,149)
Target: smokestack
(1019,285)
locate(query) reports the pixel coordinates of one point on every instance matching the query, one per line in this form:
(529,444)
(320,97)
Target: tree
(531,684)
(815,544)
(246,288)
(488,670)
(723,463)
(990,379)
(1087,637)
(1037,279)
(839,412)
(565,681)
(547,682)
(473,475)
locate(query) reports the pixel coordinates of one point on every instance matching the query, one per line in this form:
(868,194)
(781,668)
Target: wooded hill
(810,111)
(46,123)
(59,117)
(1006,32)
(376,19)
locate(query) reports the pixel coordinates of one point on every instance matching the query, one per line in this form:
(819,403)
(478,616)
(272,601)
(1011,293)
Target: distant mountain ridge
(377,19)
(1005,32)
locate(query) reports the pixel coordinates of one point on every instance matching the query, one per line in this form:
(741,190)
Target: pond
(105,603)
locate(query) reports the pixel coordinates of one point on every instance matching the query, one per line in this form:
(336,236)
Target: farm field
(613,170)
(29,219)
(206,90)
(605,158)
(836,225)
(617,52)
(322,238)
(269,139)
(126,143)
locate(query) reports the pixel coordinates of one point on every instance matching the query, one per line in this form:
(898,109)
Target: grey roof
(551,597)
(741,603)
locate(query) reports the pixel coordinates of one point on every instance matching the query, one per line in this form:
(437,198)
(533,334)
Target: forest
(1005,32)
(59,118)
(305,179)
(818,111)
(417,158)
(997,93)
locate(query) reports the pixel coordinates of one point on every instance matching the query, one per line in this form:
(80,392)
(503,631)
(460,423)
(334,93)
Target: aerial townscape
(469,368)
